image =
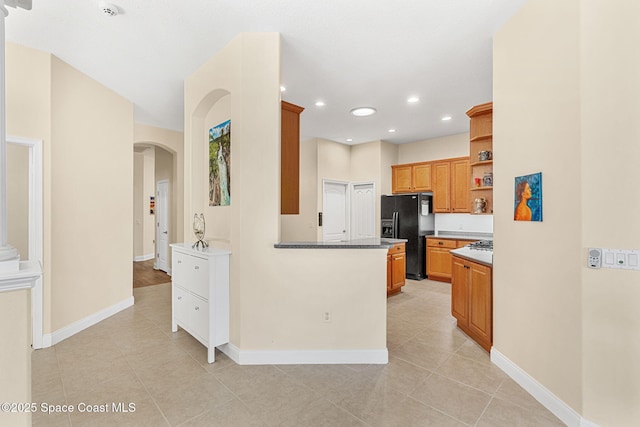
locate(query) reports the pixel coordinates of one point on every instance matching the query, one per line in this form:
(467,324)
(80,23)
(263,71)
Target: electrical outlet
(326,316)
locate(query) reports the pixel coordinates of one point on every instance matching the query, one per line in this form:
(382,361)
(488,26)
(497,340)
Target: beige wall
(435,149)
(565,103)
(92,175)
(148,190)
(18,198)
(610,133)
(271,307)
(15,357)
(138,204)
(537,304)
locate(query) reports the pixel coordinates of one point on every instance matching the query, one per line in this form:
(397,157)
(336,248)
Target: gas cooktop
(482,245)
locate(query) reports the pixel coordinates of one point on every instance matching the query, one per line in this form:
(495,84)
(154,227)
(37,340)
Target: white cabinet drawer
(198,276)
(180,304)
(199,317)
(192,273)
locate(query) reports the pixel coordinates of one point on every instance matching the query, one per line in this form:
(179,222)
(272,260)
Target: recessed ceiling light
(391,130)
(282,88)
(108,8)
(319,104)
(349,139)
(446,118)
(363,111)
(413,99)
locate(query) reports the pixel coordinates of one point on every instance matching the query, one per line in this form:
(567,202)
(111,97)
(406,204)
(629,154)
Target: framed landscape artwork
(527,204)
(220,164)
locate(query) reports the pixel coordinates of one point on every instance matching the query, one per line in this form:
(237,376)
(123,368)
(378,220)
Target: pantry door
(363,210)
(335,211)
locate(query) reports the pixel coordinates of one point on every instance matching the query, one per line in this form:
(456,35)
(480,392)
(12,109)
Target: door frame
(35,230)
(352,187)
(347,195)
(166,210)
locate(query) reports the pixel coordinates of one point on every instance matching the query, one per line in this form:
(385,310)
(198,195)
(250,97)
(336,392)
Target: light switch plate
(626,259)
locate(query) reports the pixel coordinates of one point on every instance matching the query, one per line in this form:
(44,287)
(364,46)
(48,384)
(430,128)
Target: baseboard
(304,357)
(549,400)
(61,334)
(146,257)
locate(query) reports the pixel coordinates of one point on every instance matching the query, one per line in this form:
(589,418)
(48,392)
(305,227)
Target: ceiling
(346,53)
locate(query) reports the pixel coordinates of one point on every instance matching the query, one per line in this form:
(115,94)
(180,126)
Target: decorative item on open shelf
(481,151)
(198,230)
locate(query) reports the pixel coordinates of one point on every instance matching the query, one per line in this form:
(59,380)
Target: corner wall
(565,104)
(87,177)
(610,102)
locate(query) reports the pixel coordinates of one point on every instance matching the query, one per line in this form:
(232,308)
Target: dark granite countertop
(370,243)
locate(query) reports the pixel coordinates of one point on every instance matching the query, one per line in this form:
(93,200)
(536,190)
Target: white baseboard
(146,257)
(61,334)
(304,357)
(549,400)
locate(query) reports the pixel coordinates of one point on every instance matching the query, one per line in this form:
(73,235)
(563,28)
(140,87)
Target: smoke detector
(108,8)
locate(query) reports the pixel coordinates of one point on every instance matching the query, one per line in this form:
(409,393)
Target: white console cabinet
(200,294)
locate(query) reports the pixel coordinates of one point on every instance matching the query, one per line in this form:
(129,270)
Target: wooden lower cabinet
(439,257)
(396,269)
(472,300)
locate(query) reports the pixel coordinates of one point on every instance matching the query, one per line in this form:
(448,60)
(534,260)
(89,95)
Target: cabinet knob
(197,267)
(179,262)
(440,243)
(179,298)
(197,308)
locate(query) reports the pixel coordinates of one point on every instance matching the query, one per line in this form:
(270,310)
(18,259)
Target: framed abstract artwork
(220,164)
(527,205)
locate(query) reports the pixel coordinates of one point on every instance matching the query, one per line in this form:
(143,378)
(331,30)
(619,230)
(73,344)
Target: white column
(9,256)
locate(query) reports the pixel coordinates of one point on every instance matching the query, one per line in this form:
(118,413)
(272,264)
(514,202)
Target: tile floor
(436,376)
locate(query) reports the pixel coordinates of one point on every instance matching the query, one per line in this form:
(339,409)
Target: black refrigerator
(409,216)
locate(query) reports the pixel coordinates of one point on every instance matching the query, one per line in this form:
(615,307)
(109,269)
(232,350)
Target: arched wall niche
(213,109)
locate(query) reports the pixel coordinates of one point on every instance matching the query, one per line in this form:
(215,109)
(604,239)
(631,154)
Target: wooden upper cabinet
(411,178)
(460,183)
(421,174)
(441,187)
(290,158)
(401,179)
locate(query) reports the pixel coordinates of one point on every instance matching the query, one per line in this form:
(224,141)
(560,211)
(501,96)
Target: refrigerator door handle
(395,225)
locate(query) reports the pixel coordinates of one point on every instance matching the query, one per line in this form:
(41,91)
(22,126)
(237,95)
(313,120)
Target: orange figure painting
(528,198)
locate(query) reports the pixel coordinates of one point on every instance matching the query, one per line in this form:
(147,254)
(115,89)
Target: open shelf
(481,138)
(484,162)
(484,187)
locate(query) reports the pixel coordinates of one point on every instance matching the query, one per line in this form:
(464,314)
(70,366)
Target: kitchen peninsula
(472,291)
(396,255)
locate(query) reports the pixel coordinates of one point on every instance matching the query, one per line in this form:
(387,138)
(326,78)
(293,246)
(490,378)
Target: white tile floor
(436,376)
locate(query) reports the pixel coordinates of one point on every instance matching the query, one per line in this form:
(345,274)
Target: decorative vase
(198,230)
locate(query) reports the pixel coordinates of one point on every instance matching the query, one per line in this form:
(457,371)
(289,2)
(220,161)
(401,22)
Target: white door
(335,214)
(162,225)
(363,210)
